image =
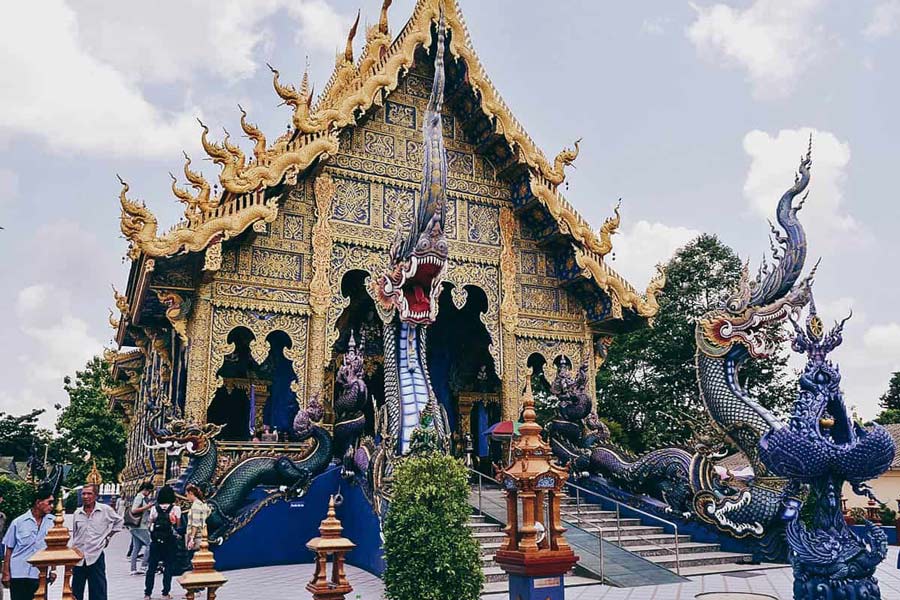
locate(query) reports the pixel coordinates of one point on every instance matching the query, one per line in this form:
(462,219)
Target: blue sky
(695,114)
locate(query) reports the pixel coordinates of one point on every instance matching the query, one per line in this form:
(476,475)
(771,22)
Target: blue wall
(278,533)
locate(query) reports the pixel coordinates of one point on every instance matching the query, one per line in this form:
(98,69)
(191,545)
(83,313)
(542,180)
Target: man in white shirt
(24,538)
(92,527)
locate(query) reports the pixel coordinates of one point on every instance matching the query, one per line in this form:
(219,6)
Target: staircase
(653,543)
(489,537)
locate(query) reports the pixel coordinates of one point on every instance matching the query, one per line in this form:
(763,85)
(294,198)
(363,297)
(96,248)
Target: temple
(245,310)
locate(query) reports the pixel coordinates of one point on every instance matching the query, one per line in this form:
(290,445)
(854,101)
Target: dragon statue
(819,449)
(228,494)
(349,421)
(407,302)
(744,326)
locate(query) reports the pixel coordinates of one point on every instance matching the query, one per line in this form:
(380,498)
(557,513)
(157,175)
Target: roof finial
(348,51)
(383,21)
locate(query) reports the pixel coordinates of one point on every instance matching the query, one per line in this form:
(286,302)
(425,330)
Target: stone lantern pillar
(56,554)
(330,542)
(535,554)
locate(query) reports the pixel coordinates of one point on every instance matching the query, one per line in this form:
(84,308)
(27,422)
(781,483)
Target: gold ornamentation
(378,40)
(346,258)
(121,301)
(224,320)
(483,227)
(113,321)
(378,144)
(608,229)
(549,349)
(177,311)
(255,134)
(486,278)
(212,260)
(275,264)
(319,288)
(353,200)
(199,332)
(459,296)
(398,208)
(231,218)
(620,292)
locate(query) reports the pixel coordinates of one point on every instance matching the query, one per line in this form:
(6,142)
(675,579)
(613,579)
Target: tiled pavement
(289,582)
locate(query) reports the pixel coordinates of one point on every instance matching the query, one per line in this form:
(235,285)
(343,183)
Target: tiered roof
(355,87)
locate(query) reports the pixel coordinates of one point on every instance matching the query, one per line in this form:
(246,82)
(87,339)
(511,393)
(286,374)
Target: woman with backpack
(164,518)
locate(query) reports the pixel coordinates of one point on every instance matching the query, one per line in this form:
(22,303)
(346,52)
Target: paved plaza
(290,581)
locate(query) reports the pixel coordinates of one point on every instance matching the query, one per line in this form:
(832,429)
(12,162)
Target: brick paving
(289,582)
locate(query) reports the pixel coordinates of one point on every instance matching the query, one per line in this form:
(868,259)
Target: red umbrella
(503,429)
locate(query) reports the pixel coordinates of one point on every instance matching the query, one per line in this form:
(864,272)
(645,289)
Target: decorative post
(56,554)
(536,555)
(329,542)
(509,315)
(204,575)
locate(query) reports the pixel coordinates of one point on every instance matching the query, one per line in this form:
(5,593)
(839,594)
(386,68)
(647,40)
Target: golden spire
(255,134)
(94,476)
(348,50)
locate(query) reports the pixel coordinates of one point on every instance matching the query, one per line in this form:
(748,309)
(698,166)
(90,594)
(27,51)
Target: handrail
(618,504)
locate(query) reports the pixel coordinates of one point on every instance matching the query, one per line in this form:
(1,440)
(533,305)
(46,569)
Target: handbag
(132,520)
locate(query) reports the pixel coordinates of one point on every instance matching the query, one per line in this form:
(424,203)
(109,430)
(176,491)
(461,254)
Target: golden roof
(353,89)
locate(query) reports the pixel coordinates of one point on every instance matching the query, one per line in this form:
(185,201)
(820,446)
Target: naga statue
(743,327)
(228,493)
(349,421)
(819,449)
(407,294)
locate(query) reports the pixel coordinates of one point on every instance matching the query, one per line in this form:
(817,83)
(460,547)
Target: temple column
(320,287)
(198,353)
(509,314)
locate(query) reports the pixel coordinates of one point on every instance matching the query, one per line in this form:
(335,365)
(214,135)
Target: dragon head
(747,318)
(178,435)
(418,261)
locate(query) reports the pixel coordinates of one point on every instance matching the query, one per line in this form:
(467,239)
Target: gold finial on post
(203,576)
(56,554)
(94,477)
(330,542)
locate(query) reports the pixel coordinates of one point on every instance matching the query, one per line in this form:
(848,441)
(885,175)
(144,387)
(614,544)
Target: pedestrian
(164,517)
(25,537)
(140,534)
(197,516)
(2,532)
(93,525)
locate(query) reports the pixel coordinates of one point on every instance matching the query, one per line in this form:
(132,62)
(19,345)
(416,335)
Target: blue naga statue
(819,449)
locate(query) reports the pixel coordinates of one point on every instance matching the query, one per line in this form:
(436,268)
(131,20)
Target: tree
(86,424)
(890,400)
(648,383)
(429,550)
(21,436)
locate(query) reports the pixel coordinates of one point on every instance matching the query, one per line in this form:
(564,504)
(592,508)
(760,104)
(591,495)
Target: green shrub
(429,550)
(16,496)
(888,515)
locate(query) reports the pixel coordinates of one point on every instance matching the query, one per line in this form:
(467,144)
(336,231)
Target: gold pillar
(319,286)
(199,329)
(509,315)
(203,575)
(328,543)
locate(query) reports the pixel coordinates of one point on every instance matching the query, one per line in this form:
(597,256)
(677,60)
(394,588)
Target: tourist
(268,435)
(140,534)
(25,537)
(164,518)
(197,516)
(93,524)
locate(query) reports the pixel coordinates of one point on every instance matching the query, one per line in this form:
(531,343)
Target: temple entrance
(230,407)
(462,371)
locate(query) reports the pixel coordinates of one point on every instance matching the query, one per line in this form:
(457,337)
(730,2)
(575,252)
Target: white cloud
(770,39)
(171,40)
(884,340)
(773,163)
(58,344)
(51,88)
(638,250)
(885,20)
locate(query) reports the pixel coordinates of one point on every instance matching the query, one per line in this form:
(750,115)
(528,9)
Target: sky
(694,113)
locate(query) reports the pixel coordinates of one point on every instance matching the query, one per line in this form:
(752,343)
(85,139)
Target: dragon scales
(744,326)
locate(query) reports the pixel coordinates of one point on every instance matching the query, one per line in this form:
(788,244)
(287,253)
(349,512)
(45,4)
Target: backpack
(163,532)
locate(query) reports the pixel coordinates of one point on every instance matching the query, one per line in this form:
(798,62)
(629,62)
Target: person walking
(25,537)
(92,527)
(164,517)
(196,517)
(140,534)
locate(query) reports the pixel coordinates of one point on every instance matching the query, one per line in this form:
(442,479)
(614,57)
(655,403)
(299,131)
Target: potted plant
(857,515)
(889,518)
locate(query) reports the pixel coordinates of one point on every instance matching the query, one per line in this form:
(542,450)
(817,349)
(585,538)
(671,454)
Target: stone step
(483,526)
(610,533)
(669,549)
(701,559)
(488,536)
(696,571)
(582,520)
(589,512)
(664,539)
(494,574)
(476,518)
(489,548)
